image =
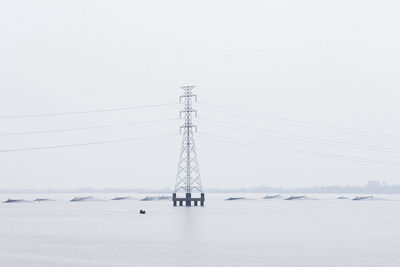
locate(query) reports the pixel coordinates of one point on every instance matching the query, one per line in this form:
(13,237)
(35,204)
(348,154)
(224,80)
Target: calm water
(329,232)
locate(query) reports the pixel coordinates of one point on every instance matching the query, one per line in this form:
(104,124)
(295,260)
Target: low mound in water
(370,198)
(156,198)
(43,199)
(82,199)
(123,198)
(272,197)
(296,198)
(236,198)
(342,197)
(300,198)
(15,201)
(363,198)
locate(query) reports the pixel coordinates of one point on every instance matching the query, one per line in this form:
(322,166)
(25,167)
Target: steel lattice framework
(188,176)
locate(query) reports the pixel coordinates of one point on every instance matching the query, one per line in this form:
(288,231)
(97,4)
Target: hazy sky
(335,63)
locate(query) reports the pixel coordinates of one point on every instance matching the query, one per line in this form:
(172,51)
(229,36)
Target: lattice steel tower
(188,177)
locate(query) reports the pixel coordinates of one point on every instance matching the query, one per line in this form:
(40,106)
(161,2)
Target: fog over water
(326,71)
(295,98)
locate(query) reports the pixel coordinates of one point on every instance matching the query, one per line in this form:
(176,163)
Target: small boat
(342,197)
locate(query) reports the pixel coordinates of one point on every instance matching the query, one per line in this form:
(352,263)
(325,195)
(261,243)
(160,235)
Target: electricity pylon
(188,177)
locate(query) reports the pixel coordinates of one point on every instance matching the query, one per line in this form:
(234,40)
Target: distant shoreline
(369,188)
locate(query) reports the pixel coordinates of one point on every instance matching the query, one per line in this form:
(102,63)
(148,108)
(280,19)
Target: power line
(86,128)
(296,150)
(85,144)
(84,111)
(294,137)
(297,123)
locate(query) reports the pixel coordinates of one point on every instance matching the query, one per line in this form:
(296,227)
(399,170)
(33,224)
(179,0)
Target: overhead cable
(85,144)
(295,150)
(84,111)
(297,123)
(293,137)
(85,128)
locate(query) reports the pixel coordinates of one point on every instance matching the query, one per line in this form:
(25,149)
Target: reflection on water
(223,233)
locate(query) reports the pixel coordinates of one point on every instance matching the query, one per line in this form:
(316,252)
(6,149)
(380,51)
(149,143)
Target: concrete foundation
(188,200)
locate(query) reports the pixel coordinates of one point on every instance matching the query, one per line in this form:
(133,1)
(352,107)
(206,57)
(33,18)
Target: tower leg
(188,199)
(174,199)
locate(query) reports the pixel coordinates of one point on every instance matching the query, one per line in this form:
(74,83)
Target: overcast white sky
(326,62)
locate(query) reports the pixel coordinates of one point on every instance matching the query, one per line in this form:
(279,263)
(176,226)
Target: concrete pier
(188,200)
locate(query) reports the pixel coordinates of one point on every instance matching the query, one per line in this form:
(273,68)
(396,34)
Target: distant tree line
(371,187)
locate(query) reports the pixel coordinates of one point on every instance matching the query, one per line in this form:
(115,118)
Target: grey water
(330,232)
